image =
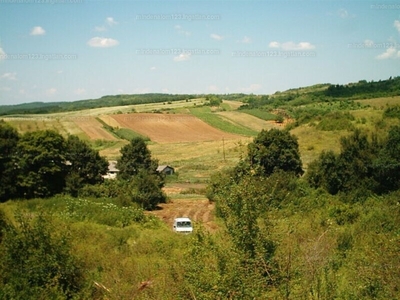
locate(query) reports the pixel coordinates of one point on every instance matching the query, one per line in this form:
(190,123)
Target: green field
(261,114)
(204,113)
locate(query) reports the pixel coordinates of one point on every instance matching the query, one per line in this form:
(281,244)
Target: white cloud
(165,90)
(397,25)
(60,71)
(153,68)
(182,57)
(245,40)
(111,22)
(216,36)
(391,52)
(299,46)
(252,88)
(51,92)
(37,30)
(80,91)
(5,89)
(274,45)
(102,42)
(290,46)
(9,76)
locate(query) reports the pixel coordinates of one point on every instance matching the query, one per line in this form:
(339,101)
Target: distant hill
(298,96)
(105,101)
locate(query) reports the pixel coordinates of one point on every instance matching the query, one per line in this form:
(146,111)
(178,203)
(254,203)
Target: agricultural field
(249,121)
(196,161)
(212,118)
(171,128)
(93,128)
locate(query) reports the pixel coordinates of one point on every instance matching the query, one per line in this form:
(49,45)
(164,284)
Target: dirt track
(171,128)
(199,210)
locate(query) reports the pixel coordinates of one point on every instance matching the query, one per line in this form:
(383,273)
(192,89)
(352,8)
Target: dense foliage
(41,164)
(275,150)
(363,166)
(312,237)
(8,144)
(37,263)
(364,89)
(139,171)
(44,163)
(135,157)
(85,165)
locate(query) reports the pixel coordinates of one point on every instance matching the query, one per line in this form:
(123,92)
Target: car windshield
(184,224)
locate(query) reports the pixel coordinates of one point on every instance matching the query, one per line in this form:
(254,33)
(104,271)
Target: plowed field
(171,128)
(93,128)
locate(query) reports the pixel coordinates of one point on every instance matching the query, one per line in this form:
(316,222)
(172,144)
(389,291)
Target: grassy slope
(381,102)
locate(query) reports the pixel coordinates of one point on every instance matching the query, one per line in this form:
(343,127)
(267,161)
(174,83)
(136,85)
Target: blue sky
(66,50)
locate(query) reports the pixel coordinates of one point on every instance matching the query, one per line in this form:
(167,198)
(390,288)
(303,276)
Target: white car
(183,225)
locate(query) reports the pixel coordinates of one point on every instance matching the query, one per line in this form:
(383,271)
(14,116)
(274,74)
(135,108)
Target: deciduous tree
(134,157)
(85,165)
(275,150)
(41,164)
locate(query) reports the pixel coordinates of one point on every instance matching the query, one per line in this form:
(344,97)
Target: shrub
(392,112)
(336,121)
(275,150)
(37,263)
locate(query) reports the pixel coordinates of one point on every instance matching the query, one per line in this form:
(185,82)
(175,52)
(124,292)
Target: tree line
(43,163)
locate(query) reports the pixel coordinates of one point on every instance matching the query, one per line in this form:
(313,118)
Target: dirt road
(198,209)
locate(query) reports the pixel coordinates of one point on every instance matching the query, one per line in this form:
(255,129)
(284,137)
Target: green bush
(37,262)
(336,121)
(392,112)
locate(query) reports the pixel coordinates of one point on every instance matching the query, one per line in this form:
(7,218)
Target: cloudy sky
(66,50)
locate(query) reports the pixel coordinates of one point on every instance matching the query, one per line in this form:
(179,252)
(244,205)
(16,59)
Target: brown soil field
(93,128)
(171,128)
